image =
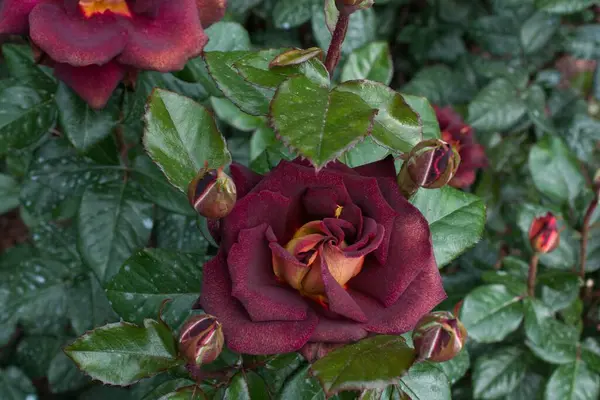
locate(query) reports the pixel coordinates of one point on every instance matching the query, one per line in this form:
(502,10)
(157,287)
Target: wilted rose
(460,135)
(94,44)
(543,233)
(325,257)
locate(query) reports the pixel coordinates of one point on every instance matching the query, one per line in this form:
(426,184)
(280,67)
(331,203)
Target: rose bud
(212,193)
(201,340)
(350,6)
(543,234)
(439,336)
(431,164)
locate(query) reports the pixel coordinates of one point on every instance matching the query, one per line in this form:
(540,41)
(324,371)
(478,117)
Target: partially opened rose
(93,44)
(319,257)
(460,135)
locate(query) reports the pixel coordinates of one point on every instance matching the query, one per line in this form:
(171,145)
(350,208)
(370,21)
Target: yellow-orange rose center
(93,7)
(316,252)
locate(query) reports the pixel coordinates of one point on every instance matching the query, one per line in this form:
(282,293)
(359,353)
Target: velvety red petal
(371,239)
(211,11)
(338,331)
(244,178)
(242,334)
(382,168)
(166,42)
(73,39)
(410,251)
(254,284)
(252,210)
(423,294)
(473,156)
(323,202)
(14,15)
(463,179)
(94,83)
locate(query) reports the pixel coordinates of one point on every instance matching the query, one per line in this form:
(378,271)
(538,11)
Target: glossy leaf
(456,220)
(590,353)
(498,373)
(15,385)
(372,62)
(291,13)
(152,276)
(426,381)
(573,382)
(230,113)
(564,6)
(181,136)
(64,376)
(490,313)
(319,123)
(296,56)
(121,353)
(9,193)
(497,107)
(368,364)
(181,233)
(246,386)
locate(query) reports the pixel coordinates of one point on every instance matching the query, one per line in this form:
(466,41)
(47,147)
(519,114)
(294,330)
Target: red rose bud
(212,193)
(201,340)
(439,336)
(350,6)
(431,164)
(543,234)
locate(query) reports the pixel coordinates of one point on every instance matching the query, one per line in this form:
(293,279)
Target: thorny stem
(335,48)
(533,266)
(585,231)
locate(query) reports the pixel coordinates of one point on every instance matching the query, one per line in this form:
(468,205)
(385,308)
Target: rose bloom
(94,44)
(460,135)
(327,257)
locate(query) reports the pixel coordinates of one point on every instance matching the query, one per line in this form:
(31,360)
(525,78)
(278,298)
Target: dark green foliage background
(89,211)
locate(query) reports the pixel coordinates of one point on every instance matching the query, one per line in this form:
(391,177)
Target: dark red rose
(94,44)
(326,257)
(460,135)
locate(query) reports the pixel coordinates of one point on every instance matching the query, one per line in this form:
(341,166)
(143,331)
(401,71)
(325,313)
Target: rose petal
(338,331)
(421,296)
(369,242)
(94,83)
(211,11)
(323,202)
(166,42)
(241,334)
(382,168)
(462,179)
(14,15)
(252,210)
(286,266)
(76,40)
(472,157)
(254,284)
(244,178)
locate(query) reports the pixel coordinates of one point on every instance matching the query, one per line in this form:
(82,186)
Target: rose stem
(533,264)
(585,231)
(335,48)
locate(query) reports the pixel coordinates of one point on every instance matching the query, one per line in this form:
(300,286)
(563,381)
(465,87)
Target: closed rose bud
(212,193)
(201,340)
(349,6)
(431,164)
(439,336)
(543,234)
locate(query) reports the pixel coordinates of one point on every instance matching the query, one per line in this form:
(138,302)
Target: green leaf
(537,31)
(573,382)
(426,381)
(497,107)
(291,13)
(227,36)
(88,305)
(302,386)
(64,376)
(431,126)
(331,15)
(564,6)
(558,289)
(152,276)
(122,353)
(373,62)
(440,85)
(84,126)
(277,371)
(230,113)
(365,152)
(551,340)
(26,117)
(531,387)
(181,136)
(296,57)
(9,193)
(181,233)
(369,364)
(456,220)
(590,353)
(457,367)
(555,170)
(14,385)
(319,123)
(497,374)
(21,65)
(396,124)
(167,388)
(113,222)
(35,353)
(490,313)
(246,385)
